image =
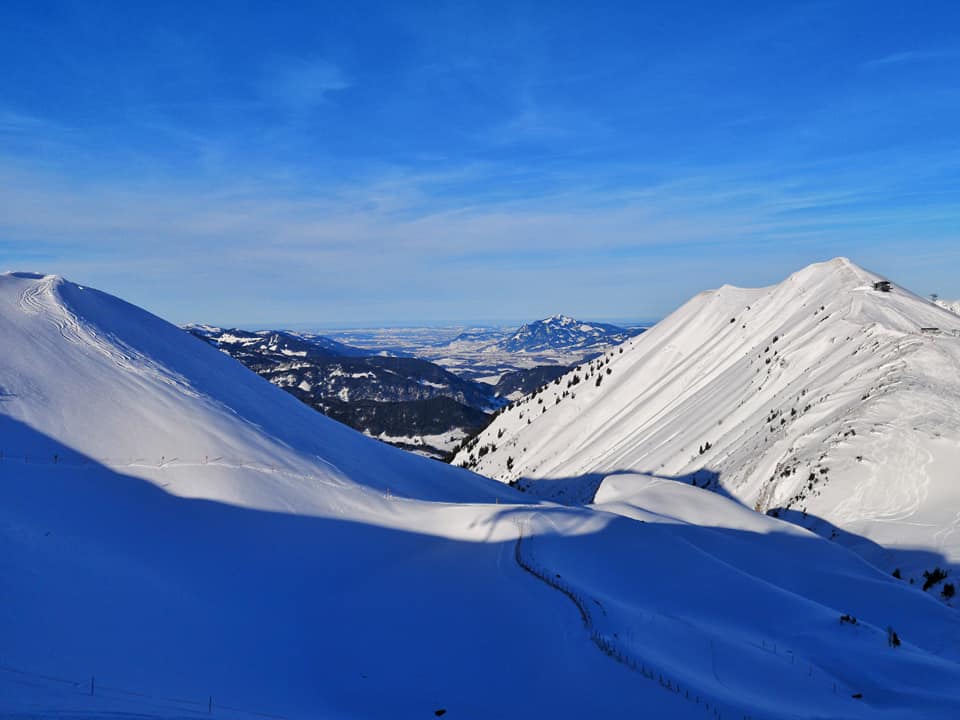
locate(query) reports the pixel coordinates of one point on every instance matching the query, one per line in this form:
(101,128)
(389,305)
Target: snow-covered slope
(178,537)
(951,305)
(822,399)
(101,378)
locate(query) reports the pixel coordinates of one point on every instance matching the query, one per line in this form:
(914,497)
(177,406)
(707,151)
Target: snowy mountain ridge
(273,342)
(823,399)
(179,537)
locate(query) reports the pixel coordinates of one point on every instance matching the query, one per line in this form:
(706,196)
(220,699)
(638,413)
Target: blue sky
(363,163)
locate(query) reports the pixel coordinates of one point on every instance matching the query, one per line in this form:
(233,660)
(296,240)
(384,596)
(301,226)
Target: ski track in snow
(943,535)
(894,490)
(41,298)
(38,299)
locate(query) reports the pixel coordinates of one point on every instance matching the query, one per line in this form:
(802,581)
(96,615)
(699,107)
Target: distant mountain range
(394,397)
(491,354)
(411,402)
(276,344)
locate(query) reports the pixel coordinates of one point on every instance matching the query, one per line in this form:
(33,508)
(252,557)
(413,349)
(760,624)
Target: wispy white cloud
(911,56)
(353,250)
(537,123)
(399,216)
(15,124)
(303,83)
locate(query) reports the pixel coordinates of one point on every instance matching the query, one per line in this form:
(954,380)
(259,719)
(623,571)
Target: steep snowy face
(86,377)
(560,332)
(831,399)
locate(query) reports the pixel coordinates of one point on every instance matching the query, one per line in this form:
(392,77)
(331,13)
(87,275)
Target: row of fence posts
(96,689)
(605,644)
(583,606)
(55,459)
(93,692)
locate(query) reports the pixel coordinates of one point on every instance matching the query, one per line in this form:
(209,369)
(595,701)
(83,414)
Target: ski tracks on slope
(41,298)
(941,537)
(896,487)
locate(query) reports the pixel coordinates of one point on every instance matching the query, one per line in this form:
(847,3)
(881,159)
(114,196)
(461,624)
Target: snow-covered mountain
(824,399)
(179,537)
(560,332)
(951,305)
(493,354)
(406,401)
(279,344)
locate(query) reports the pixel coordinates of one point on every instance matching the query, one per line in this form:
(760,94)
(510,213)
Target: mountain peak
(24,275)
(838,272)
(562,332)
(818,396)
